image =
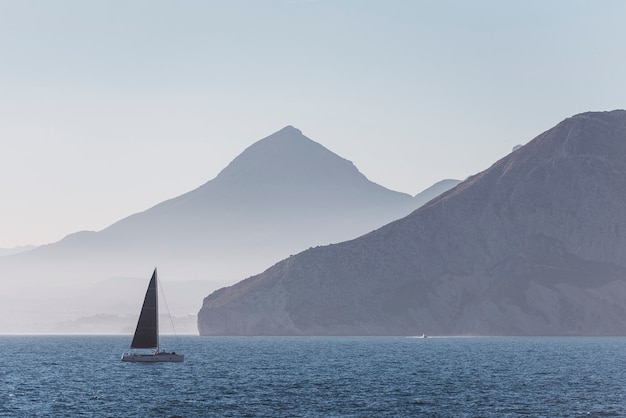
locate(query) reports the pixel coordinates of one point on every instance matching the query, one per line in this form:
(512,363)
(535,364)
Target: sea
(76,376)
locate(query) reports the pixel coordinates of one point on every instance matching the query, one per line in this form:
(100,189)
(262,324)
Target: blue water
(316,377)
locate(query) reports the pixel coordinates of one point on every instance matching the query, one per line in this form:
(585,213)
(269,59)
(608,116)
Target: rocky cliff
(534,245)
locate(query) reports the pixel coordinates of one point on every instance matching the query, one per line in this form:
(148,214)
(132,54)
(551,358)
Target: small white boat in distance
(147,332)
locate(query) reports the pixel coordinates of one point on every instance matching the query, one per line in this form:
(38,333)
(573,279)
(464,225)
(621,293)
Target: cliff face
(536,244)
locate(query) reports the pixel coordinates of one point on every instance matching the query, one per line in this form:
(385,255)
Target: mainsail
(147,332)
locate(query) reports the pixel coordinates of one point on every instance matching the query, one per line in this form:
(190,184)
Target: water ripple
(314,377)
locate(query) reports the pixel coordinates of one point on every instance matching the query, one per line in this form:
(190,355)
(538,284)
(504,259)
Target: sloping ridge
(433,191)
(534,245)
(288,160)
(286,170)
(281,195)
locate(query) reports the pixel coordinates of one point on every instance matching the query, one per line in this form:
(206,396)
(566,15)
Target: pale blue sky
(109,107)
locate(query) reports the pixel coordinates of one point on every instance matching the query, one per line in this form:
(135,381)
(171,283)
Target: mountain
(16,250)
(534,245)
(433,191)
(281,195)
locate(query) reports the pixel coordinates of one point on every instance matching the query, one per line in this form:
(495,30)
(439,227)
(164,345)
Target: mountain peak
(288,158)
(287,170)
(289,130)
(609,114)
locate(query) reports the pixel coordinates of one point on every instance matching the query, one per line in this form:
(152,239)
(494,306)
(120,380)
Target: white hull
(161,357)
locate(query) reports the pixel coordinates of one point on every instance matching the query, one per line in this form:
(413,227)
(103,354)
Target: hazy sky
(110,107)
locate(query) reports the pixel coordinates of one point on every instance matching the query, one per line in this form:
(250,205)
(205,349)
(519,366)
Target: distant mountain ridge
(281,195)
(534,245)
(286,172)
(433,191)
(282,179)
(16,250)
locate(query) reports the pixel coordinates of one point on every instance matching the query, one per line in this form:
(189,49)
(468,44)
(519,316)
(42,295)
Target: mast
(156,308)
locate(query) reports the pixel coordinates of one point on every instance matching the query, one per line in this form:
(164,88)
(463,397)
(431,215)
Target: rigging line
(169,314)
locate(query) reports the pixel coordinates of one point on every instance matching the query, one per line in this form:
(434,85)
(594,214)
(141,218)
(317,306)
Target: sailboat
(147,332)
